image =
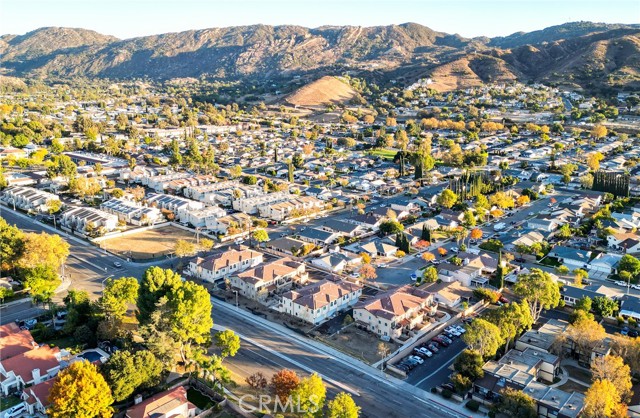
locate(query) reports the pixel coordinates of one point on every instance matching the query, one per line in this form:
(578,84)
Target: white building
(220,266)
(267,279)
(79,217)
(132,212)
(178,205)
(28,198)
(205,218)
(318,302)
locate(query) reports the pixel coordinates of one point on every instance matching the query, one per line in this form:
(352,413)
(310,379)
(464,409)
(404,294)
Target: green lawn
(8,402)
(384,153)
(550,262)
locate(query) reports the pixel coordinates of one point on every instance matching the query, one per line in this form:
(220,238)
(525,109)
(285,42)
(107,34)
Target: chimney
(36,374)
(137,399)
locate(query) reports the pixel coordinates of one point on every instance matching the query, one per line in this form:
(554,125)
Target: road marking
(437,370)
(290,360)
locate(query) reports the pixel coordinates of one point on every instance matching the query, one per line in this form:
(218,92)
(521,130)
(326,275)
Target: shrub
(487,295)
(434,390)
(620,320)
(632,322)
(473,405)
(447,394)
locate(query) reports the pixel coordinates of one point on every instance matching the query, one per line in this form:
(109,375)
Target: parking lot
(435,370)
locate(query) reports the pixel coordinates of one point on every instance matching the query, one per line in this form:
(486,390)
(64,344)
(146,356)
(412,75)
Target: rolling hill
(581,53)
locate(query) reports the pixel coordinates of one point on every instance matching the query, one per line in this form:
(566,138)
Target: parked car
(624,331)
(621,283)
(414,277)
(441,341)
(633,333)
(16,410)
(416,359)
(433,347)
(448,386)
(460,329)
(633,286)
(424,351)
(445,338)
(503,299)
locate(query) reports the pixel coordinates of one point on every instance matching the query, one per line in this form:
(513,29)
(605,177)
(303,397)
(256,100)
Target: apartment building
(131,212)
(318,302)
(267,279)
(206,217)
(79,218)
(222,265)
(250,205)
(178,205)
(391,313)
(27,198)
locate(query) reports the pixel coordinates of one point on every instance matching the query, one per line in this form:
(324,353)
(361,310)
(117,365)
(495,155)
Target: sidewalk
(445,406)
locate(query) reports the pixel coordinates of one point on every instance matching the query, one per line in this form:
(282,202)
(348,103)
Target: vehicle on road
(633,286)
(414,277)
(117,264)
(355,275)
(499,226)
(455,249)
(621,283)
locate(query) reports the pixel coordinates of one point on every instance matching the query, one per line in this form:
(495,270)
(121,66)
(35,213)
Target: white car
(355,275)
(16,410)
(635,286)
(460,329)
(455,249)
(425,352)
(117,264)
(416,359)
(621,283)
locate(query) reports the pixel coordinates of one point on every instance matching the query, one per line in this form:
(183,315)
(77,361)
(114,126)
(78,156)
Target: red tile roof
(160,404)
(43,358)
(14,341)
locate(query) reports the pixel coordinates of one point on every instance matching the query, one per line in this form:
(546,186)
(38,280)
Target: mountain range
(582,54)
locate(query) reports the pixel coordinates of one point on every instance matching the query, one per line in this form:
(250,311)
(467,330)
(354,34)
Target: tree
(250,180)
(190,317)
(593,160)
(228,342)
(310,395)
(469,363)
(11,245)
(257,381)
(502,200)
(206,244)
(605,307)
(156,283)
(564,232)
(61,165)
(579,275)
(43,249)
(284,382)
(53,206)
(42,281)
(125,372)
(602,400)
(85,186)
(184,248)
(343,406)
(368,272)
(483,336)
(235,171)
(442,251)
(428,256)
(567,171)
(523,200)
(512,319)
(599,131)
(117,294)
(469,219)
(80,391)
(612,368)
(476,234)
(447,198)
(366,258)
(391,227)
(260,235)
(430,275)
(516,403)
(585,334)
(297,160)
(539,289)
(630,264)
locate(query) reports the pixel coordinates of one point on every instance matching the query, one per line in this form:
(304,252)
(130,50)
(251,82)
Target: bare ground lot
(147,244)
(358,343)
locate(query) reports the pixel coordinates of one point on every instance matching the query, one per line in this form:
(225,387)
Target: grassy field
(8,402)
(147,244)
(384,153)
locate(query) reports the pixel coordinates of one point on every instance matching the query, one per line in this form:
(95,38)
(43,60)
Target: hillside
(326,90)
(403,52)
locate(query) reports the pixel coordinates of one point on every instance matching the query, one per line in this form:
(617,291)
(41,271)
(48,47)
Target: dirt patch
(358,343)
(148,244)
(326,90)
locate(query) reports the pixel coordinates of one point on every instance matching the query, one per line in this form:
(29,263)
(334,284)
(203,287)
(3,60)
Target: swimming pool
(91,356)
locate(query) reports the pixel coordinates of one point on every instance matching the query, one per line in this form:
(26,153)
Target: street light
(104,280)
(236,292)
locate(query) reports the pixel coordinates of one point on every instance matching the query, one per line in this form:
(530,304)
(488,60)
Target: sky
(469,18)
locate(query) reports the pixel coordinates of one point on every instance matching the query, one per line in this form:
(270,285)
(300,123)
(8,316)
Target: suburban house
(469,276)
(377,248)
(395,312)
(542,223)
(630,307)
(543,338)
(222,265)
(336,261)
(527,239)
(168,404)
(450,294)
(23,362)
(267,279)
(79,218)
(318,302)
(571,294)
(28,198)
(573,258)
(342,228)
(318,237)
(366,221)
(627,242)
(230,224)
(285,245)
(36,397)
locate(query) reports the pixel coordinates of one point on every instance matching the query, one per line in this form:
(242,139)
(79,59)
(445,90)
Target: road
(272,350)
